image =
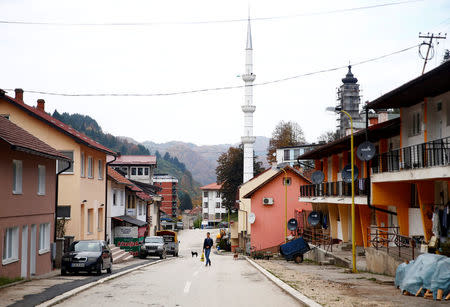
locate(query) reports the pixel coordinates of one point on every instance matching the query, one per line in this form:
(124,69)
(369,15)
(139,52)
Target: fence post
(376,236)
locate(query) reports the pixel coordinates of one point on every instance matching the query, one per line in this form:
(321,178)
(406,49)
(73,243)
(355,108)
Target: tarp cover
(428,271)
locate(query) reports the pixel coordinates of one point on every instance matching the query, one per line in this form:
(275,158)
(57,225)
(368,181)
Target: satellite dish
(366,151)
(314,218)
(251,218)
(317,177)
(347,173)
(292,224)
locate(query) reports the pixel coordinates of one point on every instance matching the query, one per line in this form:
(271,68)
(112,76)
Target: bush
(225,245)
(198,223)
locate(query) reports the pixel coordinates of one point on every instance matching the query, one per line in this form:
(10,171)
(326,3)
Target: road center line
(187,287)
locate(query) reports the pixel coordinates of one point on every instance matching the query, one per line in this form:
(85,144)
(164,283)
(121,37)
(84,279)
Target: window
(114,198)
(133,171)
(100,219)
(17,177)
(223,206)
(41,179)
(217,194)
(44,238)
(90,220)
(146,171)
(217,205)
(296,153)
(416,124)
(90,167)
(122,198)
(63,164)
(139,209)
(140,171)
(205,204)
(129,201)
(205,215)
(287,181)
(83,165)
(100,169)
(63,212)
(287,154)
(205,194)
(10,245)
(217,215)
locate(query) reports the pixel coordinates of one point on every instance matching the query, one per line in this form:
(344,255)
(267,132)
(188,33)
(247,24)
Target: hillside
(127,146)
(202,160)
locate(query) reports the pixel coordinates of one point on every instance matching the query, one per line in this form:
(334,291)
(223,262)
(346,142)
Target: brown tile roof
(19,139)
(211,186)
(117,177)
(143,196)
(53,122)
(135,160)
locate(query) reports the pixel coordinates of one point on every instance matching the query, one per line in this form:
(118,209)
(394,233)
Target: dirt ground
(335,286)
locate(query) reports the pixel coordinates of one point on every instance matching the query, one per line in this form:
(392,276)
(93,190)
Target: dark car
(87,256)
(153,246)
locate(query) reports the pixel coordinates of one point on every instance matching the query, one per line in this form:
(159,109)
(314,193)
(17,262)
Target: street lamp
(339,109)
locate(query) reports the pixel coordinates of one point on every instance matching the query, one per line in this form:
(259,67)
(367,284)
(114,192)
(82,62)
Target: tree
(328,137)
(230,172)
(285,134)
(185,200)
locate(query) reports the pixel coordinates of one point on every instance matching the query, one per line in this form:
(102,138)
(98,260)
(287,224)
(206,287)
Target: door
(24,254)
(33,250)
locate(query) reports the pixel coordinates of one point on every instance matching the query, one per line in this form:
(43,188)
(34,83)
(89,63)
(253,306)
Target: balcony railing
(338,188)
(434,153)
(390,240)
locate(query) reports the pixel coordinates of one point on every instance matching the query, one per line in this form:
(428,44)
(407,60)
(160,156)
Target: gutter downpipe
(369,192)
(56,199)
(106,194)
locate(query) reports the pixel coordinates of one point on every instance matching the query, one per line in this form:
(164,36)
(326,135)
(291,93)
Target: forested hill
(166,164)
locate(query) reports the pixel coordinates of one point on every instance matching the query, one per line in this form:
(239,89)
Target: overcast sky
(168,57)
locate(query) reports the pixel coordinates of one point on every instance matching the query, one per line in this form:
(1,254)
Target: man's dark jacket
(208,242)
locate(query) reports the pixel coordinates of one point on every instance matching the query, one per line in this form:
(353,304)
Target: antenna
(429,45)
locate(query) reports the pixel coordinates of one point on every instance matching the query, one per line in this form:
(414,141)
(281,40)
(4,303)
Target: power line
(37,23)
(213,88)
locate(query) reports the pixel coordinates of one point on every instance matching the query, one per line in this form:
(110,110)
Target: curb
(68,294)
(284,286)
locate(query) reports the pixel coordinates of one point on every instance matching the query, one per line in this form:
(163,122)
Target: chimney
(19,94)
(41,105)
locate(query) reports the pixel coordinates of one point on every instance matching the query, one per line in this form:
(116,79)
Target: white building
(213,210)
(290,154)
(139,168)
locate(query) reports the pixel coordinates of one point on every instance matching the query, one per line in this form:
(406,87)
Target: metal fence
(389,239)
(338,188)
(319,237)
(434,153)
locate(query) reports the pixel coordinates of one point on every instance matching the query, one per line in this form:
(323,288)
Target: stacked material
(427,276)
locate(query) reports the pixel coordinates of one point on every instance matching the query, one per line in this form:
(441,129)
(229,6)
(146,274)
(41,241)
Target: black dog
(194,253)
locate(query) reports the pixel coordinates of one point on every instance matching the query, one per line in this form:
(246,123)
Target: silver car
(153,246)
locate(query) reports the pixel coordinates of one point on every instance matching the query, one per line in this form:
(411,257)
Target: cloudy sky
(166,46)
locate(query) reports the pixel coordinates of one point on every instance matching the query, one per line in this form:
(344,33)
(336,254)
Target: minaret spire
(248,108)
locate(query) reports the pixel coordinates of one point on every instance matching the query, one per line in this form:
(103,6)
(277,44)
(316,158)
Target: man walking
(207,245)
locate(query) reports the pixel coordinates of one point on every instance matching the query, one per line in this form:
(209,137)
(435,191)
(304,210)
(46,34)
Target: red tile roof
(53,122)
(143,196)
(135,160)
(20,139)
(117,177)
(212,186)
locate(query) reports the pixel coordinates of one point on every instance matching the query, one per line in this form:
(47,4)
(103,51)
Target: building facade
(168,185)
(289,155)
(140,168)
(213,210)
(27,207)
(82,187)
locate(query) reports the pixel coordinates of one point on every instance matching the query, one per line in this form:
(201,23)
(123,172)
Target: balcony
(338,188)
(416,157)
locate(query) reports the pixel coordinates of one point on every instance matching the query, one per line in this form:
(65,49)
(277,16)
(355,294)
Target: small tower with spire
(248,108)
(349,100)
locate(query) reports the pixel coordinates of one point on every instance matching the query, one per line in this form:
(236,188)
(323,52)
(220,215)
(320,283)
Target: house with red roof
(27,207)
(213,210)
(82,186)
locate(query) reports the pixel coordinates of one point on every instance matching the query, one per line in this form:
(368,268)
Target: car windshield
(153,240)
(85,246)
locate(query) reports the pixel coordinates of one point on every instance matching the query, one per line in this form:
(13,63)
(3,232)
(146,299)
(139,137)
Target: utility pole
(429,44)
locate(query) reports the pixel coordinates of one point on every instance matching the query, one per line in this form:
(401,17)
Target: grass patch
(372,279)
(7,280)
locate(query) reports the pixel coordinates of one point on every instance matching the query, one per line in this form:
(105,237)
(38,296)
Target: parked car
(153,246)
(170,240)
(88,256)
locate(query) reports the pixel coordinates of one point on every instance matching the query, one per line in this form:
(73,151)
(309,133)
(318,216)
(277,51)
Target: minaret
(349,100)
(248,108)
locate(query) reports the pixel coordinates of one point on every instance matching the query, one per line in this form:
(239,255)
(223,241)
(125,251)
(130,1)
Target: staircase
(119,255)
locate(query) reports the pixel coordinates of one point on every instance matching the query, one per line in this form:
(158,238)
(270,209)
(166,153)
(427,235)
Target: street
(185,281)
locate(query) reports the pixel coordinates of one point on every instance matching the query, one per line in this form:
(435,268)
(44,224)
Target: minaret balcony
(248,139)
(248,108)
(248,77)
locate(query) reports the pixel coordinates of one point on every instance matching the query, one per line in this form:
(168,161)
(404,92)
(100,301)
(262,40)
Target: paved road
(185,281)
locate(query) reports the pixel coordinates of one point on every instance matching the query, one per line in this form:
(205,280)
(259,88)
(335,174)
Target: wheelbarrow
(294,250)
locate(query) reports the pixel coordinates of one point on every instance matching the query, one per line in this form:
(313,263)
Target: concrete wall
(380,262)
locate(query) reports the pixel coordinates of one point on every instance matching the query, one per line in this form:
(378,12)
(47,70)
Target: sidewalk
(335,286)
(43,288)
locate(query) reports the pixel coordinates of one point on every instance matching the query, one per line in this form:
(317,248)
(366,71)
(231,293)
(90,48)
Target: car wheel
(142,255)
(298,259)
(99,269)
(176,254)
(63,272)
(109,270)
